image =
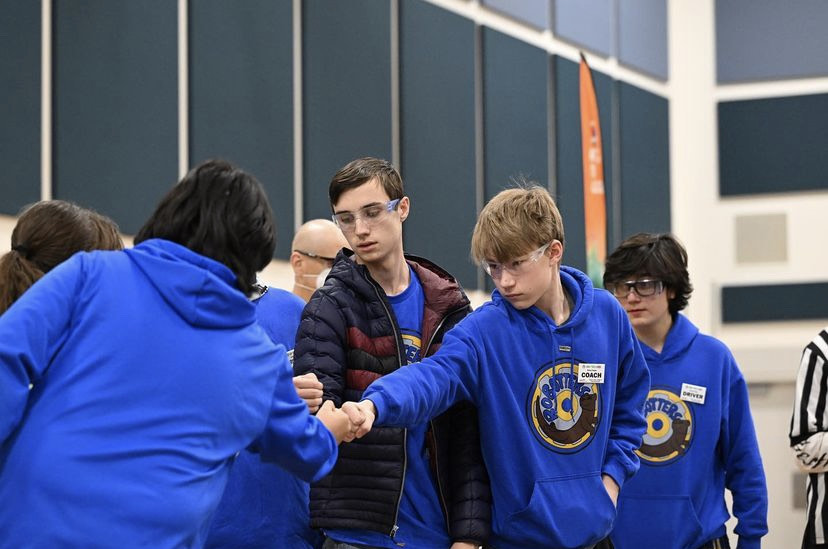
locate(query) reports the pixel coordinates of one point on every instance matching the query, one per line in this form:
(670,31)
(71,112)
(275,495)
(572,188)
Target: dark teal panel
(19,104)
(347,91)
(569,158)
(515,111)
(644,135)
(241,95)
(773,145)
(115,105)
(437,135)
(808,301)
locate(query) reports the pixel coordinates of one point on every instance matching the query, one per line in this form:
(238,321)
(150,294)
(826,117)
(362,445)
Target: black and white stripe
(809,417)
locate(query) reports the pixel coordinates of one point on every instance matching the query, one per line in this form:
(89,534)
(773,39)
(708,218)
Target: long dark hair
(220,212)
(46,234)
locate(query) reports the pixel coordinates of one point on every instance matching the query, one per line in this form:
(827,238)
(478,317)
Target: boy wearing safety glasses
(423,487)
(700,437)
(557,376)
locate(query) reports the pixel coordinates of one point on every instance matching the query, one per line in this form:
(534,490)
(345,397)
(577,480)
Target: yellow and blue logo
(563,412)
(669,427)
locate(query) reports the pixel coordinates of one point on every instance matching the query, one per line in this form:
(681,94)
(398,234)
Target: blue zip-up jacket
(693,450)
(148,374)
(547,438)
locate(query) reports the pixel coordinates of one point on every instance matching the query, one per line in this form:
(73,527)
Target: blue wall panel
(533,12)
(115,105)
(772,302)
(586,23)
(773,145)
(568,156)
(642,36)
(645,161)
(437,135)
(347,91)
(241,95)
(769,39)
(515,90)
(19,104)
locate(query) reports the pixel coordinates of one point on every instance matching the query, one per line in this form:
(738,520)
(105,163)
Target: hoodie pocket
(568,512)
(656,522)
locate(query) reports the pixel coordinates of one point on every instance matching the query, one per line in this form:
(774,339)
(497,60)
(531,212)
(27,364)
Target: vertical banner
(595,209)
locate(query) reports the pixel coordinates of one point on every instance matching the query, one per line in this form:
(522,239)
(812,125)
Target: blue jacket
(263,505)
(546,437)
(148,374)
(692,451)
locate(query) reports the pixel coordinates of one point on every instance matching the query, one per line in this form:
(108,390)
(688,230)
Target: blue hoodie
(263,505)
(148,375)
(546,437)
(692,451)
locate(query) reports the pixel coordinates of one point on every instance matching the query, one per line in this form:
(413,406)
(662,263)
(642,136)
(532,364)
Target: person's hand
(464,545)
(611,487)
(309,389)
(336,421)
(362,415)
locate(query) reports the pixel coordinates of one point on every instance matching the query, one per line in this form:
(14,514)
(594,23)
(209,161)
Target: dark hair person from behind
(221,212)
(130,380)
(46,234)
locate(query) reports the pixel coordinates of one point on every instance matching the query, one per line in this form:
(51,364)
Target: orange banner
(595,209)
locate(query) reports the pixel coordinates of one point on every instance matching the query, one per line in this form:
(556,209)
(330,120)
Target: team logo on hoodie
(564,413)
(669,427)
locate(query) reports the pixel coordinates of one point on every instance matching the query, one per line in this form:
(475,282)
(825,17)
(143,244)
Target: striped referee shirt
(810,417)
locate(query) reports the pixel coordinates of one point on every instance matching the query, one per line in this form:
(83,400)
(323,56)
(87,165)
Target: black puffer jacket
(349,337)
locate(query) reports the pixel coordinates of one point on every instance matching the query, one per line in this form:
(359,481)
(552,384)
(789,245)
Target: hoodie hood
(202,291)
(681,335)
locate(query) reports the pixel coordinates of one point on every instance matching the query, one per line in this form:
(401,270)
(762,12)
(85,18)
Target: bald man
(315,246)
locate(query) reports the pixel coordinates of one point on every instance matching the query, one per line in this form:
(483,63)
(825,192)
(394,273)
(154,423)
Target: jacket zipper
(397,337)
(431,423)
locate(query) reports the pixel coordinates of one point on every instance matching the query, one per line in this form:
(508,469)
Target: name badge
(693,393)
(590,373)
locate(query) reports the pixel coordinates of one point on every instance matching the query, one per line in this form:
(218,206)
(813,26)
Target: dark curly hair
(657,255)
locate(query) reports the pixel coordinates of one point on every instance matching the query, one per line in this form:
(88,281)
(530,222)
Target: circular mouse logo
(669,427)
(563,412)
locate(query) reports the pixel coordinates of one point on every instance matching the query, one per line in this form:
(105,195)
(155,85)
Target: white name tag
(693,393)
(590,373)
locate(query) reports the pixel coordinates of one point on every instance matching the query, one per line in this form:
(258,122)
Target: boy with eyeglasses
(424,487)
(700,438)
(557,376)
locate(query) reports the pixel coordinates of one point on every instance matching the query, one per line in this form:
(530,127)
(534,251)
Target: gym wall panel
(773,145)
(770,40)
(346,91)
(19,104)
(586,23)
(772,302)
(115,105)
(645,161)
(437,135)
(515,111)
(569,160)
(642,36)
(241,95)
(533,12)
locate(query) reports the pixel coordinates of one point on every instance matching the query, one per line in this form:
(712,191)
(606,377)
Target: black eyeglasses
(328,260)
(644,287)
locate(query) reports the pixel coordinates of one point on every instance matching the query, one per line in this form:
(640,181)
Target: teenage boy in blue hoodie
(556,374)
(700,438)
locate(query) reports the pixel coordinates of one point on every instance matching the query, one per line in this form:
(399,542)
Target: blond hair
(515,222)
